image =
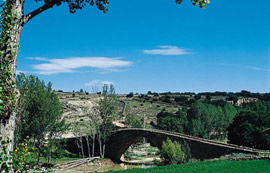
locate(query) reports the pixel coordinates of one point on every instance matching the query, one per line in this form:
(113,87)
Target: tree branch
(39,10)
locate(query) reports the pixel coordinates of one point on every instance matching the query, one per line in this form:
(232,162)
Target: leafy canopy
(75,5)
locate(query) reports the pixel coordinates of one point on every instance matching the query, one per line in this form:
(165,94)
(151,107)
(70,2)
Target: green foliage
(6,160)
(172,121)
(171,152)
(180,99)
(21,160)
(7,53)
(133,121)
(209,121)
(107,113)
(41,120)
(130,95)
(24,157)
(201,3)
(54,149)
(248,125)
(127,155)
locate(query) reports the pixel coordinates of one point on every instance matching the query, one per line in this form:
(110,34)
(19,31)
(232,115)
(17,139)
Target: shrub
(133,121)
(171,152)
(180,99)
(197,97)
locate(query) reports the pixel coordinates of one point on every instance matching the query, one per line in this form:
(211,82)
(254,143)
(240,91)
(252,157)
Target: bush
(133,121)
(130,95)
(180,99)
(171,152)
(197,97)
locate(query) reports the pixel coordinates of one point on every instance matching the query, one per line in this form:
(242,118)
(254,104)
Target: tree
(81,91)
(107,114)
(12,21)
(41,119)
(130,95)
(180,99)
(175,122)
(248,125)
(171,152)
(93,116)
(209,121)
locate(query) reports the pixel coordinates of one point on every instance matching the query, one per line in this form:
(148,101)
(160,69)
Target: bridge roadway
(201,149)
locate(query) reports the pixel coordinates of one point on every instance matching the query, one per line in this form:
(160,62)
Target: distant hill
(150,104)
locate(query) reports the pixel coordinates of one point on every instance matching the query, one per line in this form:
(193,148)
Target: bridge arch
(201,149)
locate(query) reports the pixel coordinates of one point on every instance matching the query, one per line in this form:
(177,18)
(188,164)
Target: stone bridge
(201,149)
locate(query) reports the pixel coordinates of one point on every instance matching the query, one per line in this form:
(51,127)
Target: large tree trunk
(9,44)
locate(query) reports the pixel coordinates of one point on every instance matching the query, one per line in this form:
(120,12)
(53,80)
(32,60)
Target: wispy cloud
(69,65)
(38,58)
(258,69)
(167,50)
(98,83)
(247,67)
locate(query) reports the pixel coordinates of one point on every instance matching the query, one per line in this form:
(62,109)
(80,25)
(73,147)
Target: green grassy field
(226,166)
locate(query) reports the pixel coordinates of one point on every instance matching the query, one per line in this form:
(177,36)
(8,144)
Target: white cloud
(68,65)
(167,50)
(98,83)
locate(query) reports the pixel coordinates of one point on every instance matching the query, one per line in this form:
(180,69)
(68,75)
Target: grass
(224,166)
(65,159)
(67,156)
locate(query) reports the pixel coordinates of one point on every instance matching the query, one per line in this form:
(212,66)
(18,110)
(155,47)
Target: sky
(153,45)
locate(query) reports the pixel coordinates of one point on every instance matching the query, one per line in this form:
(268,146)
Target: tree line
(247,125)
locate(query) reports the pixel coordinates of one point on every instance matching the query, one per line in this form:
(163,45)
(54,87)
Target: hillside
(149,105)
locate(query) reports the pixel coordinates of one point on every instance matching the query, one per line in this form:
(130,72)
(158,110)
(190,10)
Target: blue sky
(151,45)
